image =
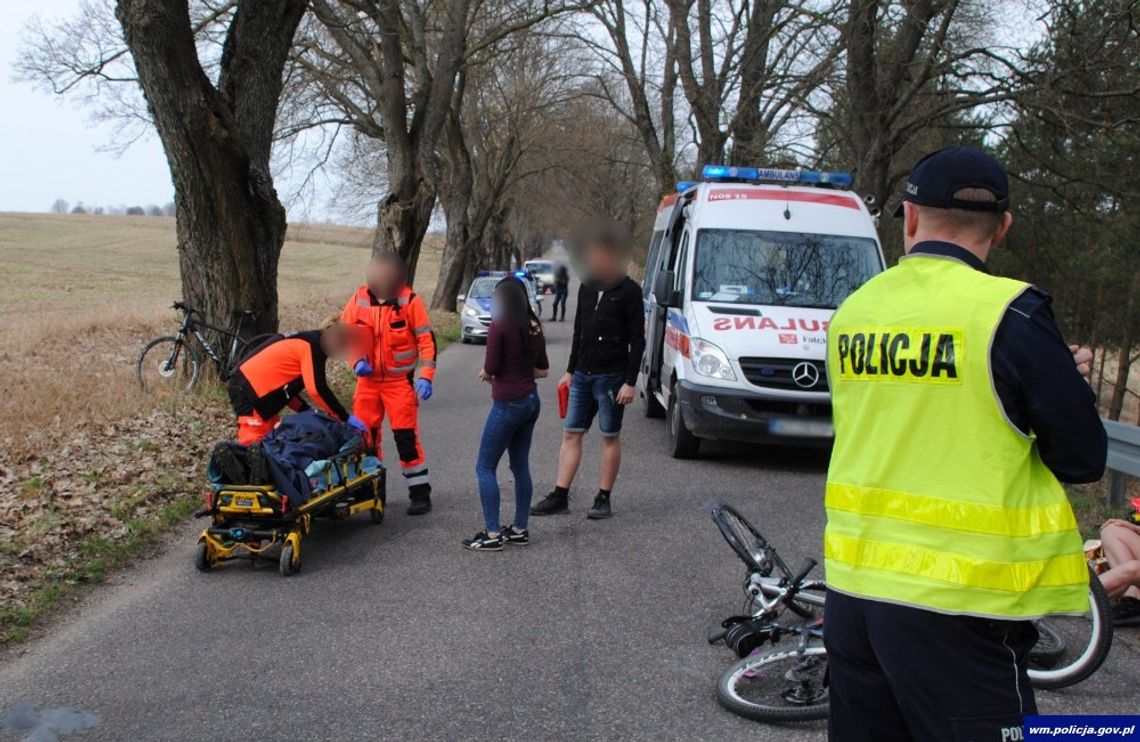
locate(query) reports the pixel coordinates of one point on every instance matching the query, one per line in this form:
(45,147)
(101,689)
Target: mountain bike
(782,671)
(172,364)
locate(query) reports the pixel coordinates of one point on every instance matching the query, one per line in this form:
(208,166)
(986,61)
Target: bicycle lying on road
(782,671)
(173,364)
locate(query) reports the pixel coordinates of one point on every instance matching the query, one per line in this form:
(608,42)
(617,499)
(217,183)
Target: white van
(744,271)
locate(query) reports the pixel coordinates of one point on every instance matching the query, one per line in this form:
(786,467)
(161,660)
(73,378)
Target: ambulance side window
(652,262)
(679,267)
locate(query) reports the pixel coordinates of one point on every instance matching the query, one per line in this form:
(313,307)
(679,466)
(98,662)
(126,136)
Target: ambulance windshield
(782,268)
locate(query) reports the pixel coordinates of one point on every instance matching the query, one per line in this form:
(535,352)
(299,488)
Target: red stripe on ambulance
(758,194)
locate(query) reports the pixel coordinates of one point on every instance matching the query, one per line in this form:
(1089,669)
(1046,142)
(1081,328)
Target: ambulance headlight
(470,311)
(709,360)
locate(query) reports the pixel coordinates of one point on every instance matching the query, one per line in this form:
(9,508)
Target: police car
(744,271)
(475,305)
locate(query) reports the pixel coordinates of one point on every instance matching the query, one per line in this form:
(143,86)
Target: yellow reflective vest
(934,498)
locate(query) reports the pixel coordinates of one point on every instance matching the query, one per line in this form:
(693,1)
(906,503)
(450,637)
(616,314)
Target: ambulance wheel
(202,557)
(286,563)
(682,443)
(653,408)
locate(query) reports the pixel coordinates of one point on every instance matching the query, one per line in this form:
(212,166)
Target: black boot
(421,500)
(555,503)
(601,508)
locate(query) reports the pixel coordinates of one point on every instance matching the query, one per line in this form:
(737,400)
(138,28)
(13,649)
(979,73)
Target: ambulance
(744,271)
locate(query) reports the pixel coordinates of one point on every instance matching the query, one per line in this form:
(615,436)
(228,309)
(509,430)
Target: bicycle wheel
(745,540)
(777,685)
(1071,648)
(167,365)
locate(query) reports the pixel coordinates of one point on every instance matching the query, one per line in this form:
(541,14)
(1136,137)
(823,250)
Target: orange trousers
(251,428)
(395,399)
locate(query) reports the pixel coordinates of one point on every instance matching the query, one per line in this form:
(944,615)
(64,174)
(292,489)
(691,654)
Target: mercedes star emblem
(805,374)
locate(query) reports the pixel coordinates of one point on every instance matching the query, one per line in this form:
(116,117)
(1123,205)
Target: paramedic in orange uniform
(397,336)
(271,378)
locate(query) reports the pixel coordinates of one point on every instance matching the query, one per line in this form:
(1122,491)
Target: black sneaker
(552,504)
(483,542)
(1126,612)
(420,505)
(601,508)
(516,536)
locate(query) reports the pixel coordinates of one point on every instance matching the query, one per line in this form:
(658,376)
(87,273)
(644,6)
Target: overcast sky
(48,147)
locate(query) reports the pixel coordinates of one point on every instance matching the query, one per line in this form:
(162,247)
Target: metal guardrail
(1123,458)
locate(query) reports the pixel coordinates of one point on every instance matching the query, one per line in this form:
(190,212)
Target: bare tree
(912,67)
(60,206)
(217,138)
(210,76)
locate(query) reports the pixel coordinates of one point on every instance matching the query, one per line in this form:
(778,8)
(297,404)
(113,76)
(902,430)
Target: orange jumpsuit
(271,379)
(396,336)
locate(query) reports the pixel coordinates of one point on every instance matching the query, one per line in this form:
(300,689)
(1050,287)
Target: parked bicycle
(173,363)
(782,671)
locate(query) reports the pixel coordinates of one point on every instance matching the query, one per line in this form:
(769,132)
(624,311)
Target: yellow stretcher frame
(243,507)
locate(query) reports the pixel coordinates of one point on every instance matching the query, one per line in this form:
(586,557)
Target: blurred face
(604,265)
(385,278)
(336,342)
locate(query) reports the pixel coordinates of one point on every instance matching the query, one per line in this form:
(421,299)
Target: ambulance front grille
(777,373)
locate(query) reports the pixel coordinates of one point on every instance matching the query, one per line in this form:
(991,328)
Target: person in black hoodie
(605,355)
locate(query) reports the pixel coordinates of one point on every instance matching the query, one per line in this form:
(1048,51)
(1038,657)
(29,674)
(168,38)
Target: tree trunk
(402,220)
(1124,362)
(217,140)
(455,198)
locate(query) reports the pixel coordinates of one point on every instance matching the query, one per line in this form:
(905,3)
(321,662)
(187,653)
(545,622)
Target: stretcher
(258,522)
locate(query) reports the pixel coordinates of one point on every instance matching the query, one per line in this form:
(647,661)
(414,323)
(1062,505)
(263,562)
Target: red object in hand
(563,400)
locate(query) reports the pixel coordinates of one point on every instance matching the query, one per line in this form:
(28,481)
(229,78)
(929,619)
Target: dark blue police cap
(939,175)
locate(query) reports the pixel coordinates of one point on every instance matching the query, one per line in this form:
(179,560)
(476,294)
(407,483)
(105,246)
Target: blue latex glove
(357,423)
(423,389)
(362,368)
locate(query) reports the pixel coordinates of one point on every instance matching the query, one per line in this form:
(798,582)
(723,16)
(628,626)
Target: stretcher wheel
(202,557)
(376,516)
(287,564)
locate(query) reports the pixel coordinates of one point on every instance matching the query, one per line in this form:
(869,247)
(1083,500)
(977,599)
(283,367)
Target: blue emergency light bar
(500,274)
(685,185)
(733,173)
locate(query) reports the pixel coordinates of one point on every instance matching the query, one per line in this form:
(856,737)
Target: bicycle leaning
(782,671)
(173,363)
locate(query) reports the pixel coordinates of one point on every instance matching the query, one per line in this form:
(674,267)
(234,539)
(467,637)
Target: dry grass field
(90,467)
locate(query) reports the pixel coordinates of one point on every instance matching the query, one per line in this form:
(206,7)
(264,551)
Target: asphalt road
(594,631)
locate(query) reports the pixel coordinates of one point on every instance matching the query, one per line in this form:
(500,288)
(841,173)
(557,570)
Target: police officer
(958,407)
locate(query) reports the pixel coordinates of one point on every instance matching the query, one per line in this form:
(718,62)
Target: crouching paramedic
(398,338)
(273,377)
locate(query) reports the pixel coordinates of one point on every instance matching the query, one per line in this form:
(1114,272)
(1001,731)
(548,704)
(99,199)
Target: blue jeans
(509,428)
(594,395)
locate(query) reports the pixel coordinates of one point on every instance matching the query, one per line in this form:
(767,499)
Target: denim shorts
(595,394)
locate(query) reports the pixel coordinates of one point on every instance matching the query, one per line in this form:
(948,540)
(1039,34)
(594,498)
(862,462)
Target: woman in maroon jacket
(515,357)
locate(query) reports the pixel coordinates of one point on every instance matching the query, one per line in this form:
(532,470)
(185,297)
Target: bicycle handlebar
(183,307)
(805,568)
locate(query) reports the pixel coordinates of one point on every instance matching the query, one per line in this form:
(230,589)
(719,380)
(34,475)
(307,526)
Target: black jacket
(609,331)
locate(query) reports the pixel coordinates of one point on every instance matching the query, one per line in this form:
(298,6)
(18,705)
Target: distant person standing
(561,291)
(515,357)
(605,356)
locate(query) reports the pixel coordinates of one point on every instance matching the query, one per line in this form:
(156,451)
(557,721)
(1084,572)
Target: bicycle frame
(771,593)
(190,327)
